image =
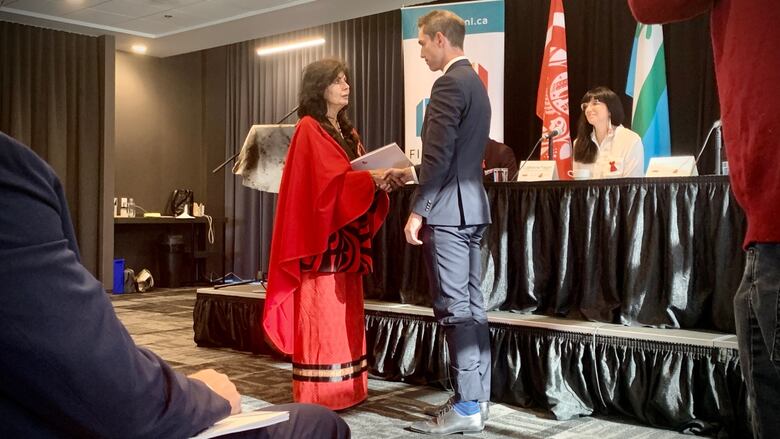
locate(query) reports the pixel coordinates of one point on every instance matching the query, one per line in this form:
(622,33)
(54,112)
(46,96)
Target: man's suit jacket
(454,133)
(68,367)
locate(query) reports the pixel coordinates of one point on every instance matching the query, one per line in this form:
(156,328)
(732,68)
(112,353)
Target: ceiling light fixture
(139,49)
(292,46)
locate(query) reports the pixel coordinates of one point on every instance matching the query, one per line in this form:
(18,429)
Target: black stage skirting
(651,252)
(687,388)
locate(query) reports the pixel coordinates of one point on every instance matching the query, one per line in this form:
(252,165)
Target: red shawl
(319,194)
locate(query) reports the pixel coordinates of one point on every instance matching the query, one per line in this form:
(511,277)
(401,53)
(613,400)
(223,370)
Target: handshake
(391,178)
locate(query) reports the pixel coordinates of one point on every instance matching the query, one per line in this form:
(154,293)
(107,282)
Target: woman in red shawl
(321,248)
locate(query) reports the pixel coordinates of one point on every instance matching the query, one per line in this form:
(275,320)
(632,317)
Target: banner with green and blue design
(647,85)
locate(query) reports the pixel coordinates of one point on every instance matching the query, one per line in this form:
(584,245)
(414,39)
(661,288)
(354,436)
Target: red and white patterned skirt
(329,361)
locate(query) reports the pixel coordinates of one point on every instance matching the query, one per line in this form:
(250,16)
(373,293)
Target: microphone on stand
(239,152)
(287,115)
(718,145)
(548,136)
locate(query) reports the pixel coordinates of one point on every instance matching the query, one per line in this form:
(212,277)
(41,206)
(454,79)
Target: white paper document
(243,422)
(388,156)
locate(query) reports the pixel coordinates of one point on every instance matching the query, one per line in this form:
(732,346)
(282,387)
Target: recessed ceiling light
(291,46)
(139,48)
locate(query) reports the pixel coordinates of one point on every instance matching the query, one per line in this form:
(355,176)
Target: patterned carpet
(162,321)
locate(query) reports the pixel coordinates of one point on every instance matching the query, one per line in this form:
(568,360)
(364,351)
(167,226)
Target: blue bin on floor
(119,276)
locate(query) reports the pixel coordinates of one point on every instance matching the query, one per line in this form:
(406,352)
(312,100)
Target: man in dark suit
(450,212)
(68,367)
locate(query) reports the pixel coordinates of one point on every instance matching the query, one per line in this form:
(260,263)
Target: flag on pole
(552,98)
(646,84)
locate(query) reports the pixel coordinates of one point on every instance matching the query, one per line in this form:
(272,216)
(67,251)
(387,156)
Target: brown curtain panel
(51,99)
(261,90)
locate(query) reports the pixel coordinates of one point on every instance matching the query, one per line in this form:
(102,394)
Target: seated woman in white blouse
(603,145)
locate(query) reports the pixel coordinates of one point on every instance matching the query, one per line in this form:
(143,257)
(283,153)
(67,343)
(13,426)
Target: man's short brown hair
(446,22)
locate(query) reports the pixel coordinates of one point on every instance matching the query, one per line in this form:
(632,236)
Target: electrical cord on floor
(211,229)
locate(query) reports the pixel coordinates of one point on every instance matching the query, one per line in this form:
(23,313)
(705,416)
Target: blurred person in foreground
(69,368)
(746,44)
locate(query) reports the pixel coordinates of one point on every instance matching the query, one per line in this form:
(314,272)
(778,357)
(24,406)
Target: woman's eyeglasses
(594,102)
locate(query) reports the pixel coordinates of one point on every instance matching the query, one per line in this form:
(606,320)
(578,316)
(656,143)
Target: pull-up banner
(483,46)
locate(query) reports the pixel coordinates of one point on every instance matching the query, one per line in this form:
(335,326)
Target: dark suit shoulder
(465,78)
(447,80)
(458,65)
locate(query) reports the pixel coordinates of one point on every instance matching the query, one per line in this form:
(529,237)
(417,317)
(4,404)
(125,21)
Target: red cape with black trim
(319,194)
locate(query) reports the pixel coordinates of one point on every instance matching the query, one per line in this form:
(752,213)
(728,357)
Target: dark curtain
(261,90)
(51,99)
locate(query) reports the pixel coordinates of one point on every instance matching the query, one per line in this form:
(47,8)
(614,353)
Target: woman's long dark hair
(317,76)
(585,150)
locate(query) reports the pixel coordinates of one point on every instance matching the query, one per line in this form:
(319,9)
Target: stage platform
(685,380)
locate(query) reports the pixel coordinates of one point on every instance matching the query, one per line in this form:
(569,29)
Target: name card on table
(537,170)
(680,166)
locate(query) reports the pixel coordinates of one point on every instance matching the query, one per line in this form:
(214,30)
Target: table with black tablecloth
(663,252)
